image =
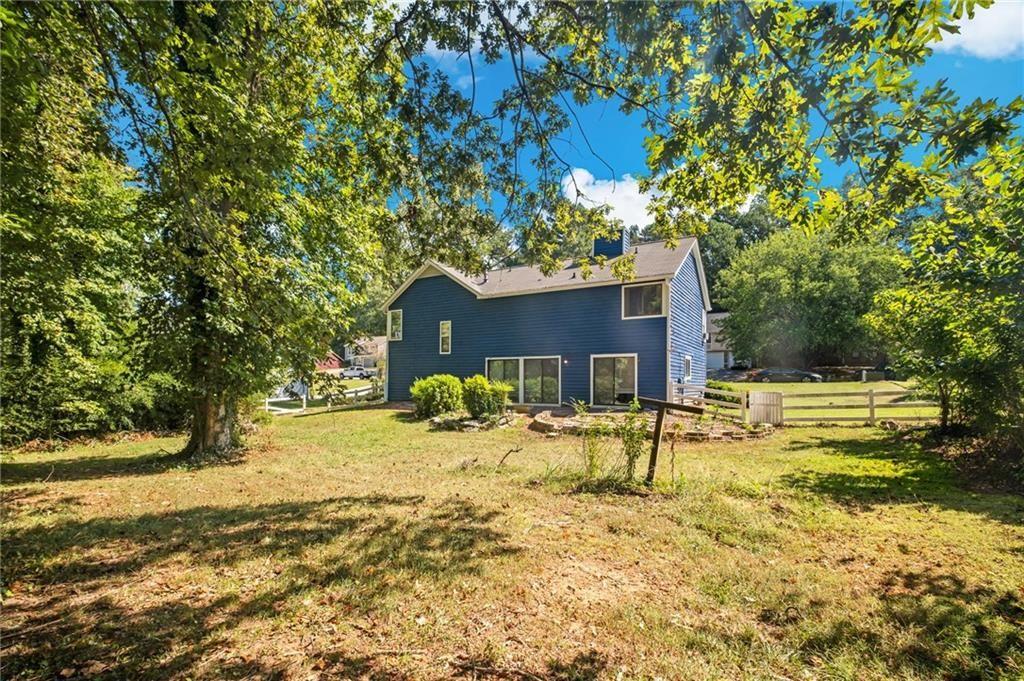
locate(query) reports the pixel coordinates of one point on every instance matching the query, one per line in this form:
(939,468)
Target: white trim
(401,331)
(664,300)
(636,375)
(687,368)
(668,344)
(522,382)
(387,368)
(440,337)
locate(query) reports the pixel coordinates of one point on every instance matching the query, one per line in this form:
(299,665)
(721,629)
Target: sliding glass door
(507,371)
(540,382)
(613,379)
(534,380)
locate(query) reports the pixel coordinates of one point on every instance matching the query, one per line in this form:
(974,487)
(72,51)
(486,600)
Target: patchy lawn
(359,544)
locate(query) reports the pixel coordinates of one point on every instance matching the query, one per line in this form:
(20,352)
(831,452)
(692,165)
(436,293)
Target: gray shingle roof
(653,260)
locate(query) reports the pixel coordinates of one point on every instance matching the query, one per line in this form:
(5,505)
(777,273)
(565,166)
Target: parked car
(727,374)
(785,375)
(357,372)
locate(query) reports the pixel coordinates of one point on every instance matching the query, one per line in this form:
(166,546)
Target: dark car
(779,375)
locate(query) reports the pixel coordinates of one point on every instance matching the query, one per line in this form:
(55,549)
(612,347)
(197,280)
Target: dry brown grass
(359,544)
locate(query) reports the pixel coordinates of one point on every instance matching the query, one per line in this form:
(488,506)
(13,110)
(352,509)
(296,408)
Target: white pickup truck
(358,372)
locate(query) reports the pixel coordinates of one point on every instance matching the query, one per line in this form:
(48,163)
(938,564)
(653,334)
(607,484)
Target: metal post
(871,406)
(744,398)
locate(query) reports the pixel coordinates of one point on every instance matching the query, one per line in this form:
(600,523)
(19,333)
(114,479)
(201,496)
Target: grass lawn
(358,544)
(794,397)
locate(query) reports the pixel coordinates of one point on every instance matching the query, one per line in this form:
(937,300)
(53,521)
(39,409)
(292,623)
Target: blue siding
(686,335)
(574,324)
(612,248)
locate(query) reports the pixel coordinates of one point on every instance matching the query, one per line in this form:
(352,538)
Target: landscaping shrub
(484,398)
(437,394)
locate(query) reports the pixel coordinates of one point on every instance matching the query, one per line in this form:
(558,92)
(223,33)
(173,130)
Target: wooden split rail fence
(766,406)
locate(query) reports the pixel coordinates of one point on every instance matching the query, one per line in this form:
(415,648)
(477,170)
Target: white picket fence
(355,395)
(773,407)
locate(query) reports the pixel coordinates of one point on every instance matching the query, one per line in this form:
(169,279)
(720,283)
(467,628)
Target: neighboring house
(720,355)
(366,352)
(331,364)
(560,337)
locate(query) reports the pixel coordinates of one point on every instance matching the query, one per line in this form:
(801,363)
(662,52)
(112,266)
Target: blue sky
(985,60)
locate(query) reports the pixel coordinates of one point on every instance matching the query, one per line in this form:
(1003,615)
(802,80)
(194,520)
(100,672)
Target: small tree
(633,432)
(958,323)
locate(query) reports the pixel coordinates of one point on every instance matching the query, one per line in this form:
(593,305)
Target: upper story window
(395,325)
(643,300)
(445,343)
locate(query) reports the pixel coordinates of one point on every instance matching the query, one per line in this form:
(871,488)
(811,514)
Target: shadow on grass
(932,625)
(93,467)
(117,591)
(586,666)
(918,476)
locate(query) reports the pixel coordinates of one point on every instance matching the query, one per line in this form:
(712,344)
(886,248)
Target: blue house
(560,337)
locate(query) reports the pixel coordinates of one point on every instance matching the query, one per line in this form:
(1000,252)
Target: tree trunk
(943,408)
(214,425)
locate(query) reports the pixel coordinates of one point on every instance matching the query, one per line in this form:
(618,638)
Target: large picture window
(643,300)
(395,325)
(613,379)
(534,380)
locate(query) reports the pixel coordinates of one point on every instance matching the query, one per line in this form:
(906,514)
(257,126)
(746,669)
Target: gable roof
(654,261)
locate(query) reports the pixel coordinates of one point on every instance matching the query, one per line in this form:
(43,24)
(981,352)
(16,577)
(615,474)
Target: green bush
(719,385)
(484,398)
(437,394)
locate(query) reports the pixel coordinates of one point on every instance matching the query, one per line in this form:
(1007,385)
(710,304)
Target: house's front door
(613,379)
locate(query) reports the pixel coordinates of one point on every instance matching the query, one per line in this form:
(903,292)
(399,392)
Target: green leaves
(800,297)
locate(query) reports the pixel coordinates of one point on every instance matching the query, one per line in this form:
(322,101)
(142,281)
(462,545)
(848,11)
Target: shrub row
(444,393)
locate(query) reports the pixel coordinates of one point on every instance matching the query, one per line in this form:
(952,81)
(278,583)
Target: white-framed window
(444,339)
(613,379)
(394,325)
(643,300)
(687,368)
(534,380)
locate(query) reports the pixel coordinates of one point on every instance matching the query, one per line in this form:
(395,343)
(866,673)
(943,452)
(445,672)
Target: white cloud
(627,202)
(465,81)
(995,32)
